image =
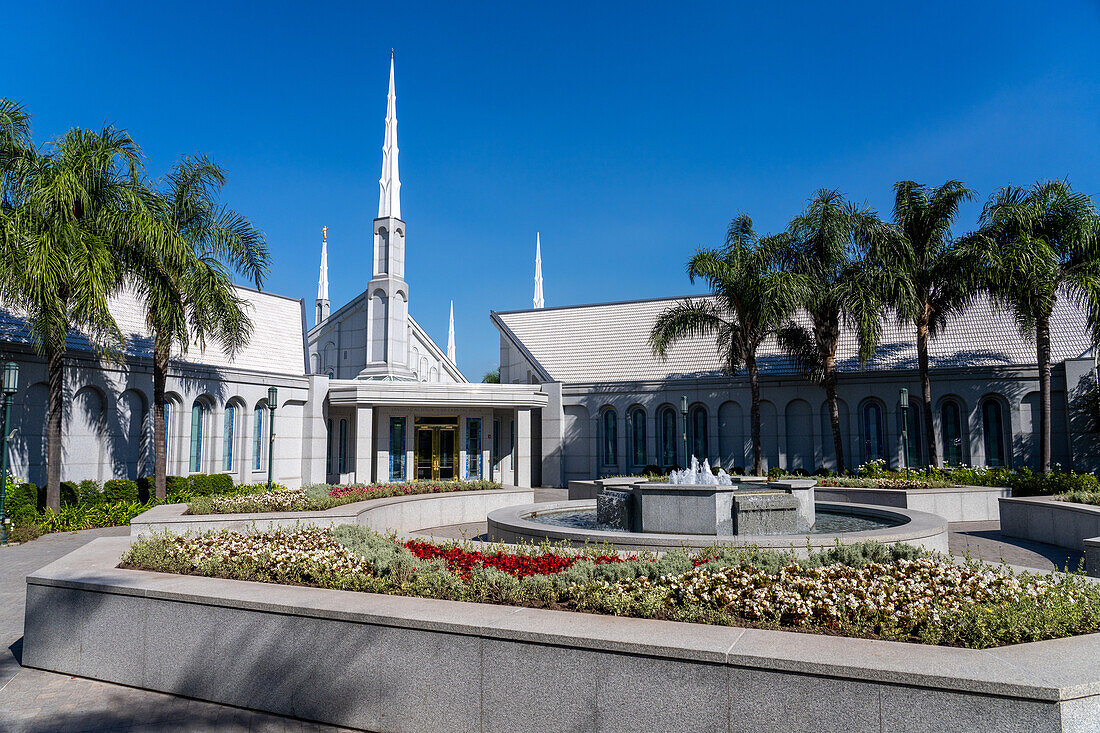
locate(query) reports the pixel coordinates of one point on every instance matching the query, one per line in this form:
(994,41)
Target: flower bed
(317,497)
(866,590)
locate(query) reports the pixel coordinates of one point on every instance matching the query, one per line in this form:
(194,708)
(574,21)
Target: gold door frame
(430,467)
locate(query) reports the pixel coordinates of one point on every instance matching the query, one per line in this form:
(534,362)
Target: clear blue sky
(628,134)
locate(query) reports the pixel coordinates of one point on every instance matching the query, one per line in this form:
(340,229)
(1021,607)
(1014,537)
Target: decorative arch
(636,436)
(698,434)
(668,437)
(575,443)
(769,433)
(84,436)
(828,445)
(380,317)
(31,425)
(954,430)
(133,438)
(872,430)
(609,437)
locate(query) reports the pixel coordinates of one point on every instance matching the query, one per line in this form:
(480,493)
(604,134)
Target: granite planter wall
(400,514)
(387,663)
(1045,519)
(954,503)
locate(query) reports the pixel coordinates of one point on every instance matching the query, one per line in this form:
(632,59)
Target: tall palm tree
(752,297)
(1042,243)
(69,207)
(928,280)
(192,297)
(828,244)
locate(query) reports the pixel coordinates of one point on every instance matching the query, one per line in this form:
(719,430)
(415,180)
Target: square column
(364,443)
(521,471)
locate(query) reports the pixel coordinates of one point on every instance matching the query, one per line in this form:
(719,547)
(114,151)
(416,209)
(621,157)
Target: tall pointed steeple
(451,335)
(389,185)
(538,272)
(322,281)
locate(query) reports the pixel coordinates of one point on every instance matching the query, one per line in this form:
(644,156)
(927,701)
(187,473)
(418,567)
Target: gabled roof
(608,342)
(277,345)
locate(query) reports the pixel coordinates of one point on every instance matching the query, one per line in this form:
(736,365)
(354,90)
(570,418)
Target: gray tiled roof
(277,344)
(608,343)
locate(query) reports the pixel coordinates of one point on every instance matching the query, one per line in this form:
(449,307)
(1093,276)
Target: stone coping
(174,517)
(922,529)
(930,490)
(1055,670)
(1046,519)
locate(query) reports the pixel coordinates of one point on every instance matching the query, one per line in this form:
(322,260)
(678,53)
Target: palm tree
(192,297)
(68,208)
(828,242)
(1042,243)
(752,297)
(928,281)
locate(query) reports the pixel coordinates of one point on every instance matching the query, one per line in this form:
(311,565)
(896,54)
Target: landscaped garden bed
(317,497)
(864,590)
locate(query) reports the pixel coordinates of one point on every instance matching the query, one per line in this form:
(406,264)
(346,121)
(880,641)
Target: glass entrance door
(436,438)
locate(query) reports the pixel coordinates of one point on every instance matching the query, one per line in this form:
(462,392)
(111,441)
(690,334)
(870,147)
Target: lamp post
(9,386)
(272,402)
(903,400)
(684,413)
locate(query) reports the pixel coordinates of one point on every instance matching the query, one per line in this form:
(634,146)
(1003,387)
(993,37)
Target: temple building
(367,395)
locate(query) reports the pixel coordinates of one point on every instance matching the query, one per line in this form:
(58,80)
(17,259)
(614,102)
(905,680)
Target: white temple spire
(451,335)
(538,272)
(389,185)
(322,280)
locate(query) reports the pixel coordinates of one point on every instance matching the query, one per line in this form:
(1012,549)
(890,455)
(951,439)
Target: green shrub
(20,495)
(177,484)
(120,490)
(70,494)
(89,493)
(221,483)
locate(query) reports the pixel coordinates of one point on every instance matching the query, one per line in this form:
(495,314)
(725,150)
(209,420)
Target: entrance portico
(384,431)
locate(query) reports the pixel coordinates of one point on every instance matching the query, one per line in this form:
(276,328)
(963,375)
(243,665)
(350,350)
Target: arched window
(258,425)
(344,446)
(229,434)
(610,436)
(873,448)
(197,413)
(637,437)
(951,428)
(994,429)
(697,439)
(666,432)
(167,431)
(912,433)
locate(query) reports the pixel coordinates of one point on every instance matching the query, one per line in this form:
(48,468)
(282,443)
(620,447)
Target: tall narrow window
(397,449)
(258,423)
(196,437)
(167,430)
(496,447)
(344,446)
(610,438)
(227,437)
(698,418)
(912,432)
(512,449)
(951,426)
(666,431)
(328,446)
(873,448)
(993,424)
(473,448)
(637,437)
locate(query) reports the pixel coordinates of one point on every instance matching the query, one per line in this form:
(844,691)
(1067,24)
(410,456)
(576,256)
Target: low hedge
(120,490)
(315,497)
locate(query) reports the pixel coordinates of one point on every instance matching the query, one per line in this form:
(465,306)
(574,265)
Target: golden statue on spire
(324,233)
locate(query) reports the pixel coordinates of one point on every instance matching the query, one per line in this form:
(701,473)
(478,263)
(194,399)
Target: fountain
(697,500)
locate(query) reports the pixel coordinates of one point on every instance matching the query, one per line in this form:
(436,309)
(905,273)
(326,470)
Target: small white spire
(451,335)
(322,280)
(538,272)
(389,185)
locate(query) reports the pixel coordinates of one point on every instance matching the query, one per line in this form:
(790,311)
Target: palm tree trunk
(926,390)
(834,409)
(754,416)
(161,353)
(1042,338)
(55,367)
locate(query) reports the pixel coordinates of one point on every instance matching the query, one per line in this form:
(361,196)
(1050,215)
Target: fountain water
(700,475)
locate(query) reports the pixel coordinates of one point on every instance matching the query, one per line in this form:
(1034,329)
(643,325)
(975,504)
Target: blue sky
(628,134)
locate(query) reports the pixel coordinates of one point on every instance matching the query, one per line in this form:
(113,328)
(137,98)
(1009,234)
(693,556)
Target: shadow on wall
(105,434)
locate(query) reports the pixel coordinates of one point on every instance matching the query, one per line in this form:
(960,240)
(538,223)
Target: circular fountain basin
(562,522)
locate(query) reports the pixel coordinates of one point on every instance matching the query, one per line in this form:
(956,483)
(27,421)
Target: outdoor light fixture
(9,386)
(903,401)
(684,413)
(272,402)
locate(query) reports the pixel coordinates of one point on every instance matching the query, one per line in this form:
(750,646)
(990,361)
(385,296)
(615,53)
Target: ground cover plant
(862,590)
(316,497)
